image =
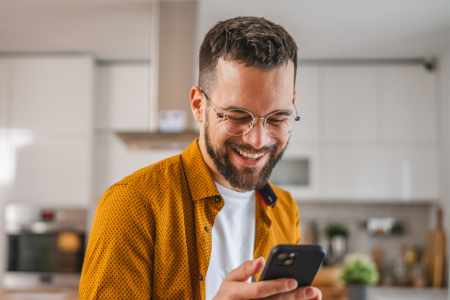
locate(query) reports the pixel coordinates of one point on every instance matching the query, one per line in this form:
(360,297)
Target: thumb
(246,270)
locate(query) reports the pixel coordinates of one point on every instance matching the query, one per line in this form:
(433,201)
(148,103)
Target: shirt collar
(198,176)
(201,183)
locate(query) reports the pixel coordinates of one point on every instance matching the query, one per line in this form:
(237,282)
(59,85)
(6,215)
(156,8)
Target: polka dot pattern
(149,237)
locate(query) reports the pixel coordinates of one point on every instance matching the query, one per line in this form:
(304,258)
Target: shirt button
(207,230)
(217,199)
(200,277)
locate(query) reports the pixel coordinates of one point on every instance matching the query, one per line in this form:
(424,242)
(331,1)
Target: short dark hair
(255,42)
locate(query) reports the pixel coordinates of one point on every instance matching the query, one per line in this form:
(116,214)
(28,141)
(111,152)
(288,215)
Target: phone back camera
(286,259)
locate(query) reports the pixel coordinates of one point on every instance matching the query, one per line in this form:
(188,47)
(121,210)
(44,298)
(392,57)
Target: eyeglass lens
(238,122)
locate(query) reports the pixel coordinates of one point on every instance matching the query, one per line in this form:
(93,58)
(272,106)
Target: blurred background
(91,91)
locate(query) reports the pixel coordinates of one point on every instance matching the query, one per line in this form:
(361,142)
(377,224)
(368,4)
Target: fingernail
(254,262)
(291,284)
(309,293)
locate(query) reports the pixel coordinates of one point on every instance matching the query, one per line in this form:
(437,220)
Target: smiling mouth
(248,155)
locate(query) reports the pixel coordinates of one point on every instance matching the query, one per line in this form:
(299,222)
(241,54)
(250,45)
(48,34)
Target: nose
(257,136)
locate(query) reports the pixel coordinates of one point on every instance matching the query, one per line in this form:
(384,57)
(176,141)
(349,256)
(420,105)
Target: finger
(319,295)
(308,293)
(246,270)
(266,288)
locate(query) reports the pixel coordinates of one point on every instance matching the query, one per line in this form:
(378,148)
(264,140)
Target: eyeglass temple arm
(297,117)
(219,115)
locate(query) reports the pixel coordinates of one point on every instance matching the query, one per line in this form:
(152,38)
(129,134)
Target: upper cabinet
(366,133)
(381,173)
(379,133)
(307,103)
(3,93)
(408,104)
(52,94)
(46,106)
(350,104)
(123,96)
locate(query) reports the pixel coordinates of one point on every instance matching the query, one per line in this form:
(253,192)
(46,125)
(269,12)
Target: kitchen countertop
(40,294)
(408,293)
(376,293)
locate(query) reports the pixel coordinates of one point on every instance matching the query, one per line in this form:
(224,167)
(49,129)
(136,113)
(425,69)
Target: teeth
(250,155)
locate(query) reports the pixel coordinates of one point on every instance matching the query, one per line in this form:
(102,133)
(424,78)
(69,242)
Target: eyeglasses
(240,121)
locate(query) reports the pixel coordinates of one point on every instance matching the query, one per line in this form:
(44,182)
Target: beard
(247,178)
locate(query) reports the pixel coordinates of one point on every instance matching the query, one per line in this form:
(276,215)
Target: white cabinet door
(410,172)
(381,172)
(408,101)
(307,103)
(52,169)
(350,104)
(52,94)
(351,172)
(4,86)
(123,97)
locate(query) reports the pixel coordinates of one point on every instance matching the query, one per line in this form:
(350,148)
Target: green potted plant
(358,273)
(336,229)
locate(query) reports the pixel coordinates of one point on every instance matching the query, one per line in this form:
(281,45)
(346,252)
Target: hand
(235,286)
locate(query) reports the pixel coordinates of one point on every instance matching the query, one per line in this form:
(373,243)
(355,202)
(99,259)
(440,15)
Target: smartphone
(300,262)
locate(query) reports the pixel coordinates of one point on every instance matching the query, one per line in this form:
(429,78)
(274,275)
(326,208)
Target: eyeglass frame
(296,117)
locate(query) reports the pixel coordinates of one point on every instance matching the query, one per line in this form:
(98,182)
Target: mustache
(250,149)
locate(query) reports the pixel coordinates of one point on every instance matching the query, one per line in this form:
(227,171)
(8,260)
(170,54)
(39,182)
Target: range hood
(172,75)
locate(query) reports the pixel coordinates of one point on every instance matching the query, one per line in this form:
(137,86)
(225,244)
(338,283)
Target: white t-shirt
(233,237)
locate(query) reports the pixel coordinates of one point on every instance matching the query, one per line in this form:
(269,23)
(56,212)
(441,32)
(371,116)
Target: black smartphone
(300,262)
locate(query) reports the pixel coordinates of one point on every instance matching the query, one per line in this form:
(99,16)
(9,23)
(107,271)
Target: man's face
(261,93)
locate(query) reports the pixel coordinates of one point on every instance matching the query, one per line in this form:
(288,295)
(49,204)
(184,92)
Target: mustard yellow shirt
(151,237)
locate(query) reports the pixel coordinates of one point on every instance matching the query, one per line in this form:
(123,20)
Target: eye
(238,116)
(277,119)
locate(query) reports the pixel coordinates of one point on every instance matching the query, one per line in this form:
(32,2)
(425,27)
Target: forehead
(254,89)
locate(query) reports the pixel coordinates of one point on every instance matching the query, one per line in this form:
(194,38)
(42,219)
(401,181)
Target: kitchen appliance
(45,246)
(172,75)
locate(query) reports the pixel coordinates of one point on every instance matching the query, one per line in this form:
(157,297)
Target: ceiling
(120,29)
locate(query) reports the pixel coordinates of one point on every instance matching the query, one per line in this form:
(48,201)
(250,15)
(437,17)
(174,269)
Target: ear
(197,99)
(295,96)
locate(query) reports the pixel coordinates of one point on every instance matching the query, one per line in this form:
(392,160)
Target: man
(201,224)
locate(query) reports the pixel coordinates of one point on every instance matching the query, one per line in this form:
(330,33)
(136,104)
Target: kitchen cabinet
(123,99)
(4,85)
(408,104)
(379,134)
(52,169)
(52,94)
(307,103)
(46,151)
(350,104)
(381,173)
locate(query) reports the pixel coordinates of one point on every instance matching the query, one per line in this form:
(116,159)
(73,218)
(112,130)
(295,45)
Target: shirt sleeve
(119,257)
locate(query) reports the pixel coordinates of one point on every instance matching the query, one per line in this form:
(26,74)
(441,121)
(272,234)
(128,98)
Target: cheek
(217,133)
(282,142)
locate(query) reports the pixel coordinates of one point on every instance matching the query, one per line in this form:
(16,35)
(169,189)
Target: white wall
(444,100)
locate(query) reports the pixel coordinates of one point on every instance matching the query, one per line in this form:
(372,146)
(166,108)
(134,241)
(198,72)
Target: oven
(45,246)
